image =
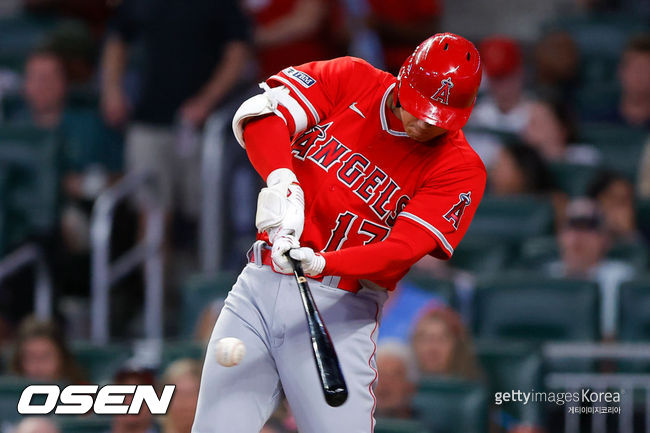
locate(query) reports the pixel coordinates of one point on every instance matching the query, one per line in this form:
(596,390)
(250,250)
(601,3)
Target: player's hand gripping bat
(327,363)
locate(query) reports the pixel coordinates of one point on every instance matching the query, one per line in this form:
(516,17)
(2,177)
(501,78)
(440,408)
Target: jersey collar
(382,115)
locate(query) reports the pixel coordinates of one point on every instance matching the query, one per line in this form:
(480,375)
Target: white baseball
(230,351)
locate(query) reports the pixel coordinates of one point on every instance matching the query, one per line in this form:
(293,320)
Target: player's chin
(421,136)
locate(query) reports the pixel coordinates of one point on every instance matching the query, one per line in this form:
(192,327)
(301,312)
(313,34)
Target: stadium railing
(211,219)
(629,384)
(147,252)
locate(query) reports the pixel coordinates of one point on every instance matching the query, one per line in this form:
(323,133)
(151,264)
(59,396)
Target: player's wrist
(281,176)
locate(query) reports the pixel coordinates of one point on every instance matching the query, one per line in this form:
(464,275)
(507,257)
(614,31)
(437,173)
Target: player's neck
(396,121)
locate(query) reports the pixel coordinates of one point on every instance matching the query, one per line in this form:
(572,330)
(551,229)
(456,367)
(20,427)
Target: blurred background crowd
(116,151)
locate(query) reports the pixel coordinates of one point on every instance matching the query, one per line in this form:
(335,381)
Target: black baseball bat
(327,363)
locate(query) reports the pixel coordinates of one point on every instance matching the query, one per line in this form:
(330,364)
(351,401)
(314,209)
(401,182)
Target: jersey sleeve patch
(303,78)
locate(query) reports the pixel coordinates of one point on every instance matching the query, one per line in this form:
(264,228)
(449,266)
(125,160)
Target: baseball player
(366,173)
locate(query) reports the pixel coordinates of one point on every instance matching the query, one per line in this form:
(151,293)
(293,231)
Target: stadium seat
(175,350)
(537,309)
(512,366)
(390,425)
(84,424)
(620,146)
(593,101)
(11,388)
(443,288)
(511,219)
(536,252)
(600,38)
(634,311)
(632,253)
(29,158)
(481,256)
(197,294)
(448,405)
(100,362)
(573,179)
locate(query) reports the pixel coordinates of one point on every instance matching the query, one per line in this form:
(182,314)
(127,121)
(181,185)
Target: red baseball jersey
(360,171)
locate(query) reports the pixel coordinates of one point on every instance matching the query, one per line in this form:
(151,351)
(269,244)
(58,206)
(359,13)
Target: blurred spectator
(505,107)
(207,319)
(41,354)
(557,63)
(519,169)
(584,244)
(186,375)
(291,32)
(36,425)
(550,129)
(397,381)
(193,57)
(633,108)
(91,158)
(615,195)
(634,71)
(402,27)
(141,422)
(442,345)
(45,89)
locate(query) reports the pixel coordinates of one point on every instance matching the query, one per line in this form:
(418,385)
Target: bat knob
(336,397)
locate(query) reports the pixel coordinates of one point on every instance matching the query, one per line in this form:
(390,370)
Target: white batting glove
(282,244)
(281,206)
(312,263)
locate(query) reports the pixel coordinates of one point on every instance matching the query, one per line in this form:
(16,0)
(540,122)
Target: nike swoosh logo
(354,108)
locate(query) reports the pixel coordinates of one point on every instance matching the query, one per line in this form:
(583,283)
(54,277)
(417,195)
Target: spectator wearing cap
(505,107)
(395,390)
(142,422)
(583,242)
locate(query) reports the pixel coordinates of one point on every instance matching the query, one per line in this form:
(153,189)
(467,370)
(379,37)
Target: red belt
(351,285)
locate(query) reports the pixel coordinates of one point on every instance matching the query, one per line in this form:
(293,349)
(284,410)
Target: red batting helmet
(439,81)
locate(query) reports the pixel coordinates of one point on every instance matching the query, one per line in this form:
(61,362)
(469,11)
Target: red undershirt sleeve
(405,245)
(268,144)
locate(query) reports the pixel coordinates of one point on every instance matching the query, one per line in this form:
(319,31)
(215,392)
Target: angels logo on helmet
(442,94)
